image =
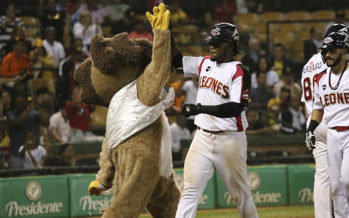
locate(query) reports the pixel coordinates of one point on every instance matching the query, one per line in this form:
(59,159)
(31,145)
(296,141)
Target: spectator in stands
(178,15)
(5,99)
(59,126)
(224,10)
(78,115)
(52,46)
(179,94)
(50,15)
(7,24)
(272,76)
(44,102)
(179,131)
(65,83)
(256,125)
(16,62)
(85,29)
(64,158)
(125,24)
(262,93)
(115,10)
(253,55)
(39,59)
(139,31)
(4,141)
(21,119)
(190,88)
(16,34)
(277,104)
(312,45)
(279,62)
(75,44)
(292,119)
(95,8)
(31,152)
(287,80)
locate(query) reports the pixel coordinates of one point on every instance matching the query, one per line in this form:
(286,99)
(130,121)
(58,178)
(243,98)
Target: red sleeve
(69,108)
(5,66)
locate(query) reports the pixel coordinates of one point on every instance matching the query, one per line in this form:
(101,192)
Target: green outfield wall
(67,195)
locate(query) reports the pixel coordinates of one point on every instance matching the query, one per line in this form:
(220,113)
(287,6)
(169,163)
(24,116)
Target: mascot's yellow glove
(160,17)
(95,188)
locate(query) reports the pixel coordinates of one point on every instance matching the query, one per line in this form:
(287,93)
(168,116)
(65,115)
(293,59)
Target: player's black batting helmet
(224,32)
(337,36)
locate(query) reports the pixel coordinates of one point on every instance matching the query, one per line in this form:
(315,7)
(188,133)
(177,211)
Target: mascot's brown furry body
(133,167)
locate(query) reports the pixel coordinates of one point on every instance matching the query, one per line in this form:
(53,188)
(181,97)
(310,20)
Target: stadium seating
(346,13)
(282,37)
(323,15)
(272,16)
(290,27)
(245,21)
(299,15)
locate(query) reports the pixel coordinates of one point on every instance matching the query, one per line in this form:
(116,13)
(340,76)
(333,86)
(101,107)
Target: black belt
(209,131)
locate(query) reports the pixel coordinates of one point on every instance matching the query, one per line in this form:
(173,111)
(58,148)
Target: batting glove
(310,140)
(95,188)
(191,109)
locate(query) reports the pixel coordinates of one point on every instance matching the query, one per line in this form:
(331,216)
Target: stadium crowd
(43,41)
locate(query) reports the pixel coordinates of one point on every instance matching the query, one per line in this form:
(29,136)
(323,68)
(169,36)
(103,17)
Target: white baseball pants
(338,162)
(322,186)
(226,153)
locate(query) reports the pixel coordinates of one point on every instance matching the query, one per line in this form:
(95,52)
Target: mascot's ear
(103,56)
(147,50)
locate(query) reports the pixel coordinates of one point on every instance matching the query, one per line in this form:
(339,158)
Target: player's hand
(310,140)
(95,188)
(191,109)
(160,18)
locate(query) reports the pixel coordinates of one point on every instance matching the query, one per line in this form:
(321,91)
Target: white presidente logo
(254,180)
(33,191)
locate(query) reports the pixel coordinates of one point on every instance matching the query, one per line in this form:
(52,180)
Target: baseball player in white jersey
(331,103)
(322,190)
(220,141)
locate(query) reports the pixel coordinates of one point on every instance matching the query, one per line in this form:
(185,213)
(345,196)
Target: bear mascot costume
(128,76)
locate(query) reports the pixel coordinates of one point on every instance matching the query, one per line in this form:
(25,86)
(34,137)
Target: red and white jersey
(314,66)
(219,84)
(332,95)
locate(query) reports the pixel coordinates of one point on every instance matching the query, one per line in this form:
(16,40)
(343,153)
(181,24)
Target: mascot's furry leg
(164,201)
(137,174)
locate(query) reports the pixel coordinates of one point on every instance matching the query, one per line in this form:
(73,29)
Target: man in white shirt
(52,46)
(33,154)
(179,131)
(59,125)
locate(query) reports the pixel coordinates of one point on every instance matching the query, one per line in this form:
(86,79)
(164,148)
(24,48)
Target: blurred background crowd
(43,41)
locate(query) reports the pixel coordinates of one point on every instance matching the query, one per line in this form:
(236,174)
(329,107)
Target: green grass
(263,212)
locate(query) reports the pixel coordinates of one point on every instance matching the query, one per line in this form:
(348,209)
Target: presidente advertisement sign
(83,204)
(268,186)
(34,197)
(301,184)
